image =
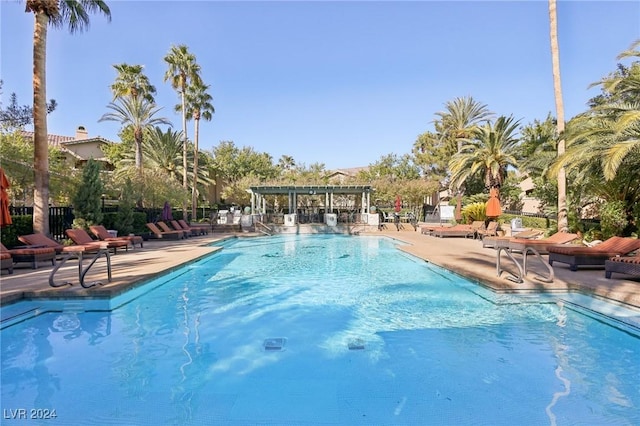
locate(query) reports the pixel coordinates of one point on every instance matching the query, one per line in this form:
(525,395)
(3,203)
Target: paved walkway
(464,256)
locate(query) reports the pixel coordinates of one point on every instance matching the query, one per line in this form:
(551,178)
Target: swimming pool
(330,330)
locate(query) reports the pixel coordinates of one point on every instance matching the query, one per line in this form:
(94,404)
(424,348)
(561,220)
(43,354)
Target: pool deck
(464,256)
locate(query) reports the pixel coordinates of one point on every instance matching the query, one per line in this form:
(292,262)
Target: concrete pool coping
(464,256)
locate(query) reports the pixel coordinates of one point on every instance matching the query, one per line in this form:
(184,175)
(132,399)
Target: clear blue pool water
(319,330)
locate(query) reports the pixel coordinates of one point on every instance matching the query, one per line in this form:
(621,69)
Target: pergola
(330,192)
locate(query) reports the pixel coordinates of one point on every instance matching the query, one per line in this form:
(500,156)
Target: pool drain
(274,344)
(356,345)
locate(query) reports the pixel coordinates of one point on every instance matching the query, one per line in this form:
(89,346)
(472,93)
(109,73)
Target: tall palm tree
(461,117)
(75,14)
(492,149)
(132,82)
(182,71)
(199,106)
(138,113)
(563,221)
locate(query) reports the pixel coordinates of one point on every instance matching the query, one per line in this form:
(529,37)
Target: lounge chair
(203,229)
(81,237)
(593,256)
(166,228)
(41,240)
(541,245)
(102,234)
(157,233)
(495,241)
(629,265)
(32,255)
(6,262)
(454,231)
(190,231)
(490,230)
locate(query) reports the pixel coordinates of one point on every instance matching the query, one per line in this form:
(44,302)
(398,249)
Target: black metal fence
(60,218)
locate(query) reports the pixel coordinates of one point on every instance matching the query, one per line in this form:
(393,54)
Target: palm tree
(75,14)
(609,133)
(492,149)
(131,82)
(183,71)
(165,154)
(286,163)
(138,113)
(199,106)
(563,221)
(461,118)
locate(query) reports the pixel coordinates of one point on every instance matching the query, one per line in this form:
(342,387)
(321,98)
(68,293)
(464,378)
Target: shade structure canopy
(493,205)
(5,216)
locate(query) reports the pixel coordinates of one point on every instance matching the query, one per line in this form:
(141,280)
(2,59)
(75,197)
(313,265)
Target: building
(78,149)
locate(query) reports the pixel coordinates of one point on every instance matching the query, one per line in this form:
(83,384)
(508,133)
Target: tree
(132,83)
(16,152)
(603,144)
(57,13)
(563,224)
(233,163)
(87,202)
(286,163)
(182,71)
(431,154)
(491,151)
(199,107)
(460,118)
(138,113)
(125,208)
(16,116)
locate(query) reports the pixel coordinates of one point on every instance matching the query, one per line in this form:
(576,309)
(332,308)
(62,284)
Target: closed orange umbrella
(5,216)
(398,204)
(493,205)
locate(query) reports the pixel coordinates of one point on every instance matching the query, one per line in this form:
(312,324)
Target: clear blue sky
(340,83)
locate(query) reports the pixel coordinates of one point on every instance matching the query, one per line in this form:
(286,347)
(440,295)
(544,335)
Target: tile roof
(55,140)
(61,141)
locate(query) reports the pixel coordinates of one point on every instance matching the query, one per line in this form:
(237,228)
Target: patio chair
(32,255)
(101,232)
(157,233)
(490,230)
(41,240)
(541,245)
(203,229)
(629,265)
(494,241)
(454,231)
(6,262)
(165,228)
(191,231)
(593,256)
(80,237)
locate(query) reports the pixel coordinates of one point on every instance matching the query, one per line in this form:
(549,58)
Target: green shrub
(474,211)
(21,225)
(613,218)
